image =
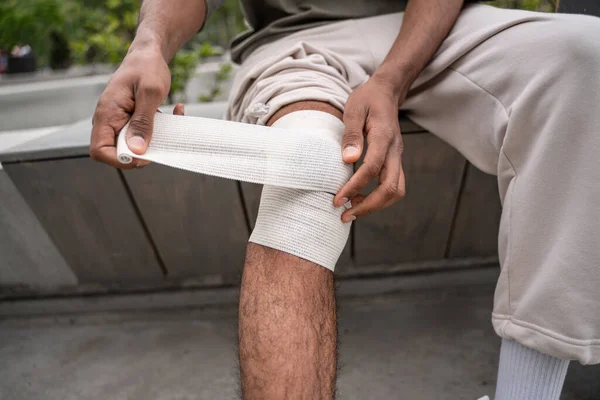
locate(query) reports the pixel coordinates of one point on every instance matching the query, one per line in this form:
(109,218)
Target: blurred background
(56,38)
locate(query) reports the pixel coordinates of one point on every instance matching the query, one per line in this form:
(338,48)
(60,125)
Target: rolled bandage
(298,159)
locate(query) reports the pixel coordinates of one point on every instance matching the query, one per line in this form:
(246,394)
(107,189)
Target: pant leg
(514,92)
(518,93)
(317,64)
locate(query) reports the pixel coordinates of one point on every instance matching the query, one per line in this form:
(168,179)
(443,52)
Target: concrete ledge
(207,297)
(41,104)
(74,140)
(210,282)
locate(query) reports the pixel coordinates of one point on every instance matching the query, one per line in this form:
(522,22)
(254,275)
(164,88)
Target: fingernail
(136,142)
(342,201)
(349,218)
(350,151)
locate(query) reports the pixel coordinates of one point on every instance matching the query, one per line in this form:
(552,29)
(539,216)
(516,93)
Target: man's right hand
(134,93)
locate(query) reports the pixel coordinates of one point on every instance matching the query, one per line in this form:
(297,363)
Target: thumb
(141,123)
(179,109)
(352,142)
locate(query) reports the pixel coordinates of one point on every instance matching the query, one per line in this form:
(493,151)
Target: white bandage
(299,160)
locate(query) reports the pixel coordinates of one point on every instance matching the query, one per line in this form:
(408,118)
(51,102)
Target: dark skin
(287,328)
(371,111)
(287,333)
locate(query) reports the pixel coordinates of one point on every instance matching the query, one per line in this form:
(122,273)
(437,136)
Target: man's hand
(372,112)
(372,109)
(143,80)
(135,91)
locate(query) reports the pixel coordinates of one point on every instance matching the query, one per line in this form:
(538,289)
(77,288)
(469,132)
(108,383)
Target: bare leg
(287,327)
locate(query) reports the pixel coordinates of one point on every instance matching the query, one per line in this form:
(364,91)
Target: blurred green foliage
(221,77)
(531,5)
(184,64)
(30,22)
(93,30)
(223,24)
(100,30)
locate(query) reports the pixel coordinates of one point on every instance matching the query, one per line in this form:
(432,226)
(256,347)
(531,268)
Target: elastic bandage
(298,160)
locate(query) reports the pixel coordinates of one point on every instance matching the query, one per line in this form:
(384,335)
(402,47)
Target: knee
(300,218)
(302,223)
(305,105)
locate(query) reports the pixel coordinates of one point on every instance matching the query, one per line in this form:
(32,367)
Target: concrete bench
(93,228)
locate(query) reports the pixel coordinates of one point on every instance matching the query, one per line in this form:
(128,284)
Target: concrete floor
(399,340)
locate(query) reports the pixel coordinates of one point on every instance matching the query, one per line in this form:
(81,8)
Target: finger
(147,99)
(179,109)
(401,186)
(102,143)
(378,144)
(108,155)
(352,142)
(356,200)
(141,163)
(390,189)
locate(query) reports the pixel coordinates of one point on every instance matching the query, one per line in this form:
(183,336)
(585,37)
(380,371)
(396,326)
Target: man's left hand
(372,112)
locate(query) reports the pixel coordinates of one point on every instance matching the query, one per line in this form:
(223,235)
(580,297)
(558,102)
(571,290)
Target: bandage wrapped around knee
(298,159)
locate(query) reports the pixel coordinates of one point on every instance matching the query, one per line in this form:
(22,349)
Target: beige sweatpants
(518,94)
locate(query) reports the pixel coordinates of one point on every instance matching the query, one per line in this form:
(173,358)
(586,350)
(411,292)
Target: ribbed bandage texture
(298,159)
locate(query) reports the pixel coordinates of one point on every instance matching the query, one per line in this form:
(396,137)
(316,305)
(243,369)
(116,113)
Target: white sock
(526,374)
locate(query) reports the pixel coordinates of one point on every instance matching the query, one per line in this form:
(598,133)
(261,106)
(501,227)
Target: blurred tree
(531,5)
(184,65)
(224,23)
(221,77)
(101,30)
(60,53)
(30,22)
